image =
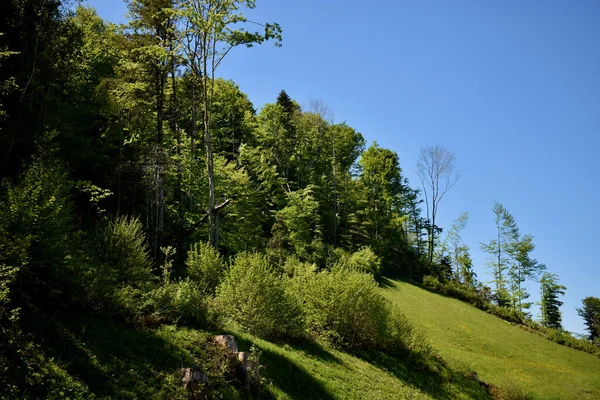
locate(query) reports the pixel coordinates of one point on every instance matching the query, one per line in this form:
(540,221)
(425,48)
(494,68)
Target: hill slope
(501,354)
(307,371)
(107,360)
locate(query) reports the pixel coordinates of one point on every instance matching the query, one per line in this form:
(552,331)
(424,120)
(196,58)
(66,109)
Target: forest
(141,188)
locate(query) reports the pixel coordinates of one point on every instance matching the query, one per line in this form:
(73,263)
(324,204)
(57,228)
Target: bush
(173,303)
(253,296)
(124,252)
(344,307)
(206,266)
(432,282)
(364,260)
(35,232)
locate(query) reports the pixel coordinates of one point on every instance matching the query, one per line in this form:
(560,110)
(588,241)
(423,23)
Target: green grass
(312,371)
(499,352)
(118,362)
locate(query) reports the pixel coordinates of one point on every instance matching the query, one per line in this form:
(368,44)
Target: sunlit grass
(499,352)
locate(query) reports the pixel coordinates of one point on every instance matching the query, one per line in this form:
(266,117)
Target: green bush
(253,296)
(432,282)
(35,232)
(364,260)
(344,307)
(206,266)
(173,303)
(117,270)
(293,266)
(124,252)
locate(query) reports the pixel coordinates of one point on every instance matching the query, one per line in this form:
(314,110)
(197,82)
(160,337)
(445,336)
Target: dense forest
(139,187)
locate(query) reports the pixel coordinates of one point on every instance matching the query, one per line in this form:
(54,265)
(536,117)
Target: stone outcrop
(227,341)
(250,367)
(195,382)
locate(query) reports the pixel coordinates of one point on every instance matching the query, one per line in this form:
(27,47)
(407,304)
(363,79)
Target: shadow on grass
(429,374)
(291,379)
(112,360)
(285,374)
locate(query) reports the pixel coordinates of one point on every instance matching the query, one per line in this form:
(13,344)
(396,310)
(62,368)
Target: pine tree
(549,304)
(590,312)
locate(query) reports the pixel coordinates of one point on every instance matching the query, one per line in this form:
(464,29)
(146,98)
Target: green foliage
(549,303)
(205,265)
(253,296)
(511,261)
(590,312)
(123,250)
(293,266)
(364,260)
(36,230)
(342,306)
(299,223)
(501,251)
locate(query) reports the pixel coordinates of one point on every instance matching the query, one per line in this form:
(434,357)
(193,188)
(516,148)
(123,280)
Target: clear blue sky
(512,87)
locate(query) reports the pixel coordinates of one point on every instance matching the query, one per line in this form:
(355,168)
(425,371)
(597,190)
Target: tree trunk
(212,223)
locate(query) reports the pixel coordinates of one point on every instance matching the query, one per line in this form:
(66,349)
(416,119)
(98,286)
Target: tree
(523,267)
(380,175)
(452,243)
(549,304)
(436,170)
(501,251)
(210,31)
(464,267)
(152,25)
(590,312)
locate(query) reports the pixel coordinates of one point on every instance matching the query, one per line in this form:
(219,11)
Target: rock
(227,341)
(474,376)
(195,382)
(251,369)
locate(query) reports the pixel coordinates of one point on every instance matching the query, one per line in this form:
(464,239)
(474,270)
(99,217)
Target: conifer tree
(549,304)
(590,312)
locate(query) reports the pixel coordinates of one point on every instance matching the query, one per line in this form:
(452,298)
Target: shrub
(253,296)
(432,282)
(206,266)
(35,232)
(364,260)
(124,252)
(344,307)
(176,302)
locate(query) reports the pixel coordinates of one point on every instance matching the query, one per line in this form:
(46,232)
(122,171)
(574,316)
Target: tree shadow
(429,374)
(285,374)
(290,378)
(112,360)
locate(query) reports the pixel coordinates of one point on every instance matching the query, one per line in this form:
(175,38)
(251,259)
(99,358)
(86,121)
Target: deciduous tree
(211,29)
(437,171)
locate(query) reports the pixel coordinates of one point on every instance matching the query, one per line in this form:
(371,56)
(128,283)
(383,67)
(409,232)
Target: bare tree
(437,173)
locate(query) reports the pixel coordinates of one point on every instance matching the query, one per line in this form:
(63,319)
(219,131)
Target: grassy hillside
(501,354)
(108,360)
(307,371)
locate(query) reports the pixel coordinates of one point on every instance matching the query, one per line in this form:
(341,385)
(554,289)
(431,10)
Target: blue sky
(512,87)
